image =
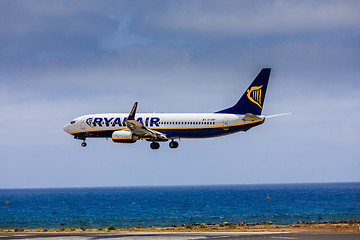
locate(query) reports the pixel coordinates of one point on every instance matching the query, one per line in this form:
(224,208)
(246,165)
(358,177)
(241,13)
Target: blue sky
(63,59)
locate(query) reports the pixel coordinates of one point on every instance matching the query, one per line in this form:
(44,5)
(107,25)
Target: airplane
(162,127)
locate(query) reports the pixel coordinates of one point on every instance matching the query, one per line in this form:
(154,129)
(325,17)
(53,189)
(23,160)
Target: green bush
(111,228)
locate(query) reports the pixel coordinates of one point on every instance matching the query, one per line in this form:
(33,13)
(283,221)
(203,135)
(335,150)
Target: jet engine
(124,136)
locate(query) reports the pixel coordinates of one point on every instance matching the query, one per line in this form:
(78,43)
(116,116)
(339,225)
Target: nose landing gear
(84,144)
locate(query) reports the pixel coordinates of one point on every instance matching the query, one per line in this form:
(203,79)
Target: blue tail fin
(253,99)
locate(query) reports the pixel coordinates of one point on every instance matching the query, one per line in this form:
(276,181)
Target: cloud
(43,33)
(217,19)
(61,32)
(63,59)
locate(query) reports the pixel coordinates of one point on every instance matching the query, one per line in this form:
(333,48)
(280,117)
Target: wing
(140,130)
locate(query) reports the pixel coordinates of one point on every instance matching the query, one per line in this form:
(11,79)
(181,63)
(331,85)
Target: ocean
(181,204)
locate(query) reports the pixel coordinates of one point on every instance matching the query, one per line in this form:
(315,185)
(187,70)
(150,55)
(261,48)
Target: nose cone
(67,128)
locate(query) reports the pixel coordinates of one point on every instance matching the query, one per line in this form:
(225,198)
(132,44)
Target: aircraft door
(226,124)
(82,124)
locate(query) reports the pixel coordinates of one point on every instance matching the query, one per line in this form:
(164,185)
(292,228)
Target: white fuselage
(173,125)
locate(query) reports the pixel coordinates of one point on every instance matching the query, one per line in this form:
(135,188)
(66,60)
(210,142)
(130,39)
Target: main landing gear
(84,144)
(173,144)
(156,145)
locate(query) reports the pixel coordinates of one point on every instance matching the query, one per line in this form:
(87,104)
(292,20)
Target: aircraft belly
(177,132)
(94,134)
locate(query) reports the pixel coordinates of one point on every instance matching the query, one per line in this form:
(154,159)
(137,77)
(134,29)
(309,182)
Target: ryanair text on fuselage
(99,121)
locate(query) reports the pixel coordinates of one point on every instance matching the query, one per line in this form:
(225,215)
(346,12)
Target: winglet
(132,112)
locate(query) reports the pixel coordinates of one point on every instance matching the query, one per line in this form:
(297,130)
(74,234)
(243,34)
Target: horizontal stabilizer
(277,115)
(250,118)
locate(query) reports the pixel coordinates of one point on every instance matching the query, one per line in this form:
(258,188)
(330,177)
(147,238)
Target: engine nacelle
(123,136)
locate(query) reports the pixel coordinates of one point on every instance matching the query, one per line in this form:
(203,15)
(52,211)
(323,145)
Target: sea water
(180,201)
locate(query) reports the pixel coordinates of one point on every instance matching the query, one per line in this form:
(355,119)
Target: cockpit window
(72,122)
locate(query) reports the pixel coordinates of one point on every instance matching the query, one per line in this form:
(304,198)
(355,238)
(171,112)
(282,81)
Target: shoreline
(224,227)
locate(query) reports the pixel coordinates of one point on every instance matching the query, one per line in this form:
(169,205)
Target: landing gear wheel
(84,144)
(173,144)
(154,145)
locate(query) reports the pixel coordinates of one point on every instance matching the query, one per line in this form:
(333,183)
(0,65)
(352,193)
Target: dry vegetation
(222,227)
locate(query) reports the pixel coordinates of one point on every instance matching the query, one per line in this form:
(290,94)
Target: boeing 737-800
(162,127)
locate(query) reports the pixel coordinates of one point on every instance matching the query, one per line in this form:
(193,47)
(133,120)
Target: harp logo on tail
(254,95)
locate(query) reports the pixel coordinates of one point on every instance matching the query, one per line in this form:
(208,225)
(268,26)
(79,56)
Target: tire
(155,145)
(173,144)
